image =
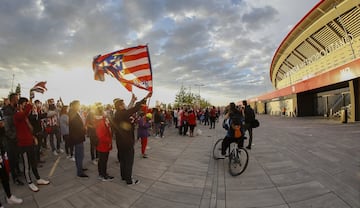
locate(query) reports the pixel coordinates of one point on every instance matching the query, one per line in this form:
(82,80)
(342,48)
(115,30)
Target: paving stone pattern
(294,163)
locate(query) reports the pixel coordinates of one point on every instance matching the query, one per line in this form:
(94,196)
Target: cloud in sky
(227,46)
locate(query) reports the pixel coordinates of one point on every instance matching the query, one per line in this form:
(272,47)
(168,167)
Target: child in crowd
(143,131)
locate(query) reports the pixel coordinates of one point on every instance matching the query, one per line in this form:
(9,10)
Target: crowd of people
(28,128)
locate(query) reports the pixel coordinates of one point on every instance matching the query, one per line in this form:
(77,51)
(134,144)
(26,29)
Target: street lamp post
(199,85)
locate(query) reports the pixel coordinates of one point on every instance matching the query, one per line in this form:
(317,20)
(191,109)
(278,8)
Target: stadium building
(316,68)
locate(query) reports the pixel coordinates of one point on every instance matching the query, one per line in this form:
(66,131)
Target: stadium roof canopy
(320,27)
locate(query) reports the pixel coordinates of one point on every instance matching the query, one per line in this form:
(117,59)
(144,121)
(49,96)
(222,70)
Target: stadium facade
(316,68)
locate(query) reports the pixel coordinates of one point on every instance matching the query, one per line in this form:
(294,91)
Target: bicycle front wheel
(238,161)
(217,149)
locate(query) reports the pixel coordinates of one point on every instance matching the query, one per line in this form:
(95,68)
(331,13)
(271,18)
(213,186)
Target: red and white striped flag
(130,66)
(39,87)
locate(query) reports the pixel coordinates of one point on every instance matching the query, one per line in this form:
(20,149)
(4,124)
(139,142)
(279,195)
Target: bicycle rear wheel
(238,161)
(217,150)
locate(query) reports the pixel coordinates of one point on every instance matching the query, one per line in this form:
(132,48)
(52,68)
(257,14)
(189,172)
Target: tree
(190,99)
(180,97)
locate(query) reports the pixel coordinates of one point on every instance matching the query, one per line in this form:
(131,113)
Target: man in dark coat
(249,118)
(10,135)
(77,136)
(125,138)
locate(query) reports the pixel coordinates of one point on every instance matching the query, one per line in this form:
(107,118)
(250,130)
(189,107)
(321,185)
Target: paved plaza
(294,163)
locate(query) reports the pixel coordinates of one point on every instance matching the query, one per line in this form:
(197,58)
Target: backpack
(236,125)
(237,131)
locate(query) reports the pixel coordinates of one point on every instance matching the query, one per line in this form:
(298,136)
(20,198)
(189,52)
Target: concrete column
(352,101)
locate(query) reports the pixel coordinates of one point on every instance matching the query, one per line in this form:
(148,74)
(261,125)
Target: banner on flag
(39,87)
(130,66)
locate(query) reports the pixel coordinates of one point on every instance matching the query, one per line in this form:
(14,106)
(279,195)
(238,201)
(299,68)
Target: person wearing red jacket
(104,143)
(26,142)
(185,122)
(192,121)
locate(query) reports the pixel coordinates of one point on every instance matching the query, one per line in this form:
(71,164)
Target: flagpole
(152,80)
(147,49)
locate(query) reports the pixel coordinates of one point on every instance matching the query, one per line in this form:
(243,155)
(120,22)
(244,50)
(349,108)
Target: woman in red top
(192,122)
(104,144)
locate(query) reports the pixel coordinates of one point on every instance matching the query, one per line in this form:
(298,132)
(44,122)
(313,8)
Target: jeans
(212,122)
(157,129)
(54,135)
(79,157)
(228,140)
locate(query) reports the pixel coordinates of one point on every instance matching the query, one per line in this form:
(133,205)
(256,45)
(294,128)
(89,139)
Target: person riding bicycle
(233,123)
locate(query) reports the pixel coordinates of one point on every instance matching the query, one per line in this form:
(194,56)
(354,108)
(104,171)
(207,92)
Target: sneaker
(42,182)
(61,150)
(108,178)
(18,182)
(83,175)
(144,156)
(55,153)
(101,178)
(221,157)
(68,156)
(95,162)
(133,182)
(33,187)
(72,158)
(14,200)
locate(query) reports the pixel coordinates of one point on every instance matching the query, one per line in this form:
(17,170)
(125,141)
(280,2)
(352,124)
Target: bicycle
(238,157)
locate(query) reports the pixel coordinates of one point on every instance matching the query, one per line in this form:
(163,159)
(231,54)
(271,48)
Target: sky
(220,49)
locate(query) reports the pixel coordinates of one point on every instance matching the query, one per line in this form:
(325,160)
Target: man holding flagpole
(131,67)
(124,134)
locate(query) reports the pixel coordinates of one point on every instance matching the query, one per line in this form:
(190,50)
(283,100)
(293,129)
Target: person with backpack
(233,123)
(212,114)
(249,119)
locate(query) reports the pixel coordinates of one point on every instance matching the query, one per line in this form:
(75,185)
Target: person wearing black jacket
(10,137)
(249,118)
(77,136)
(232,117)
(125,138)
(35,119)
(4,176)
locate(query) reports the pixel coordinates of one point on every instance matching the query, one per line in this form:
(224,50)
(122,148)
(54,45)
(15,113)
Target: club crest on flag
(130,66)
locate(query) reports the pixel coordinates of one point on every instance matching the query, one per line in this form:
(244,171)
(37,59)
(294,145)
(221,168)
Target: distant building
(315,70)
